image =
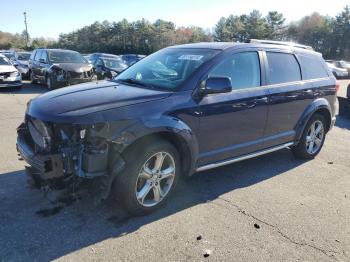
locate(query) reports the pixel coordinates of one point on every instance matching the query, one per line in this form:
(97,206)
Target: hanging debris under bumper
(75,158)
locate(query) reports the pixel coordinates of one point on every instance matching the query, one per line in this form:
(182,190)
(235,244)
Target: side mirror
(41,60)
(216,85)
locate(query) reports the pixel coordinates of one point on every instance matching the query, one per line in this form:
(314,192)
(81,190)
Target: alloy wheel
(155,179)
(314,137)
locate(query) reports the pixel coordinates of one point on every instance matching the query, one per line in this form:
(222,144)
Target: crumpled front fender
(123,137)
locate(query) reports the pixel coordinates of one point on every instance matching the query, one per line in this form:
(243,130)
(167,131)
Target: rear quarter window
(312,67)
(283,68)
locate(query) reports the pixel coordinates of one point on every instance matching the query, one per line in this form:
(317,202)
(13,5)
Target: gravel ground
(272,208)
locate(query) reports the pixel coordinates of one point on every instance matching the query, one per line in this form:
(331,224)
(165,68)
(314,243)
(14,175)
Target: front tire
(50,83)
(312,139)
(32,78)
(149,178)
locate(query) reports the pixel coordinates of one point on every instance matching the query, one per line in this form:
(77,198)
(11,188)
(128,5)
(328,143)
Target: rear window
(312,67)
(283,68)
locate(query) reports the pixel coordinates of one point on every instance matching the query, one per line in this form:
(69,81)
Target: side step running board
(244,157)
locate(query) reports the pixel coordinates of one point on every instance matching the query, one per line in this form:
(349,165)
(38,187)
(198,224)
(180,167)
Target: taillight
(337,86)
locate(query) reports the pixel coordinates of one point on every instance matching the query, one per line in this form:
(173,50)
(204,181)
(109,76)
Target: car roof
(227,45)
(209,45)
(103,54)
(110,56)
(57,50)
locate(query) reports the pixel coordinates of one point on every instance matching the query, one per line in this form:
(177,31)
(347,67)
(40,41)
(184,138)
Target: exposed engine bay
(65,156)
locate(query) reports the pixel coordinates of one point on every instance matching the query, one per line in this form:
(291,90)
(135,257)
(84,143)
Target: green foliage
(331,36)
(251,26)
(140,37)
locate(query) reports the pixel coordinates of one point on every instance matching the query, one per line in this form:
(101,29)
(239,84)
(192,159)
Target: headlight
(14,74)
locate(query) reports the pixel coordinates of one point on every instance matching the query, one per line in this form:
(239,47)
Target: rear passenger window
(242,68)
(312,67)
(283,68)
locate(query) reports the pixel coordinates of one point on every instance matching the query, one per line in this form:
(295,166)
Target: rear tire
(312,138)
(149,178)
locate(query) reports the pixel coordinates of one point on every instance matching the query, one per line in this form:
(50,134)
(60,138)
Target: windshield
(344,64)
(23,56)
(4,61)
(113,62)
(168,68)
(8,55)
(66,57)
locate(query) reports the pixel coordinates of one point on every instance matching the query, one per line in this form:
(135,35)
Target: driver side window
(243,69)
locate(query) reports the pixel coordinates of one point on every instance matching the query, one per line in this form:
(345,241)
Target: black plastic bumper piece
(49,166)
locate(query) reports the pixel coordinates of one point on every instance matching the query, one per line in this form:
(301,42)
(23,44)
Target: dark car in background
(10,54)
(9,75)
(341,64)
(339,73)
(181,110)
(131,59)
(59,68)
(106,66)
(22,63)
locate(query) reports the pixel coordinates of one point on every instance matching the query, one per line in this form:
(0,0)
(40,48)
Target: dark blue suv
(178,111)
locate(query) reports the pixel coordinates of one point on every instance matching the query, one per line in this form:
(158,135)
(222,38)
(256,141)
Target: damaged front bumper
(73,161)
(64,78)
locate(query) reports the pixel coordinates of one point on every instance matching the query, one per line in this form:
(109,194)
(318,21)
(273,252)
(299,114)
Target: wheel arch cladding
(170,129)
(320,106)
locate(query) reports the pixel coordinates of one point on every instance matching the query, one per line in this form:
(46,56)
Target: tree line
(329,35)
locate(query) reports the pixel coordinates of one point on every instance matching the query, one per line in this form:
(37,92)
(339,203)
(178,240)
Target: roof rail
(271,42)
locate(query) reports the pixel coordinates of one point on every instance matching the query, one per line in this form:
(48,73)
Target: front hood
(23,62)
(341,70)
(74,104)
(72,67)
(7,68)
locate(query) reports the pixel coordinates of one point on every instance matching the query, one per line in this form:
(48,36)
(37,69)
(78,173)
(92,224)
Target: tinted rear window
(312,67)
(283,68)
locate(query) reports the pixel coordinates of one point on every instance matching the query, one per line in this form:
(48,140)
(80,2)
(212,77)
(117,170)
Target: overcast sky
(50,18)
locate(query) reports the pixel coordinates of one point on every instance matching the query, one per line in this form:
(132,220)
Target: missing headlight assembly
(66,155)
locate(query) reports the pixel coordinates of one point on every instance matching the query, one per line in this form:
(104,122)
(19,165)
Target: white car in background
(337,71)
(9,75)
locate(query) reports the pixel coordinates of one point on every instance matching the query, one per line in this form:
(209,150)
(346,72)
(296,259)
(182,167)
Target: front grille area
(6,74)
(81,75)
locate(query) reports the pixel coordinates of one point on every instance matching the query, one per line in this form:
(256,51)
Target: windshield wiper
(133,81)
